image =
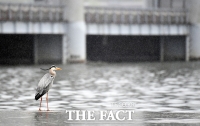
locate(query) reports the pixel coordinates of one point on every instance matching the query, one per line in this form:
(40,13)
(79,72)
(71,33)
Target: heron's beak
(57,68)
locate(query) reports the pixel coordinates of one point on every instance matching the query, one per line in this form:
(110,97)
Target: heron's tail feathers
(38,95)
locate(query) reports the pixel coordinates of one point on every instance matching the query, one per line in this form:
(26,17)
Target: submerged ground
(154,87)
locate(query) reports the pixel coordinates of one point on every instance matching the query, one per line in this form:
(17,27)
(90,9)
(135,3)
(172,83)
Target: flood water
(157,87)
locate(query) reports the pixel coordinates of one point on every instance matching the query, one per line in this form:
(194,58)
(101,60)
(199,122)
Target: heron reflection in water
(45,84)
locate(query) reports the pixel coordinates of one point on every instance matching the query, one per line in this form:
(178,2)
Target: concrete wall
(194,27)
(19,27)
(135,29)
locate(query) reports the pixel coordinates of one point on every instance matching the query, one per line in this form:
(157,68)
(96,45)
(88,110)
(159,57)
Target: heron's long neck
(52,72)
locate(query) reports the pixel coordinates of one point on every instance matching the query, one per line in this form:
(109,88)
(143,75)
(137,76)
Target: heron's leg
(47,102)
(40,104)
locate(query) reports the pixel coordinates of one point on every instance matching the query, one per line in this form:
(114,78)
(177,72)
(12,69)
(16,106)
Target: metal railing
(106,15)
(30,12)
(100,15)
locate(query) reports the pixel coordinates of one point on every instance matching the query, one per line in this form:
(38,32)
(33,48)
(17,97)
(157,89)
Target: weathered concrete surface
(76,30)
(60,118)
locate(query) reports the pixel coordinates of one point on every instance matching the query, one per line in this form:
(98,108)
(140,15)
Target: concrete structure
(77,30)
(165,24)
(44,28)
(195,29)
(66,30)
(47,26)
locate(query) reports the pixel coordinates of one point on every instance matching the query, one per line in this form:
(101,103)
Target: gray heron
(45,84)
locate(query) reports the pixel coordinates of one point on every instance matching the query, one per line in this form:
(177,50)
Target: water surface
(157,87)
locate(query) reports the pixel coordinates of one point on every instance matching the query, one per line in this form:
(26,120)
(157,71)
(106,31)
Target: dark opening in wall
(174,48)
(49,49)
(135,48)
(123,48)
(16,49)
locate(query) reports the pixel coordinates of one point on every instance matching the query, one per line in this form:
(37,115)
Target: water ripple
(160,87)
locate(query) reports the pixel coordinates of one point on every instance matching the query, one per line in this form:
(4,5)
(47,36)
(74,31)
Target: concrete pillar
(161,49)
(64,49)
(195,44)
(35,49)
(76,30)
(194,18)
(187,49)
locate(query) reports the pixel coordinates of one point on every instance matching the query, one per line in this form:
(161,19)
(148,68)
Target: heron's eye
(51,76)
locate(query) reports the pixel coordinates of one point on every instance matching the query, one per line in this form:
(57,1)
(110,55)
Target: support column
(187,48)
(35,49)
(161,49)
(15,27)
(64,49)
(76,30)
(194,28)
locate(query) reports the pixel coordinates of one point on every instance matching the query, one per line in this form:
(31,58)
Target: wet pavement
(157,87)
(60,118)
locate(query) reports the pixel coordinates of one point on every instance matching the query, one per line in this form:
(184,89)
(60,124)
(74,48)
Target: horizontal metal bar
(30,4)
(137,16)
(30,12)
(106,8)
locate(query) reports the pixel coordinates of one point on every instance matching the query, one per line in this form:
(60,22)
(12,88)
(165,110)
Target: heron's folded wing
(45,81)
